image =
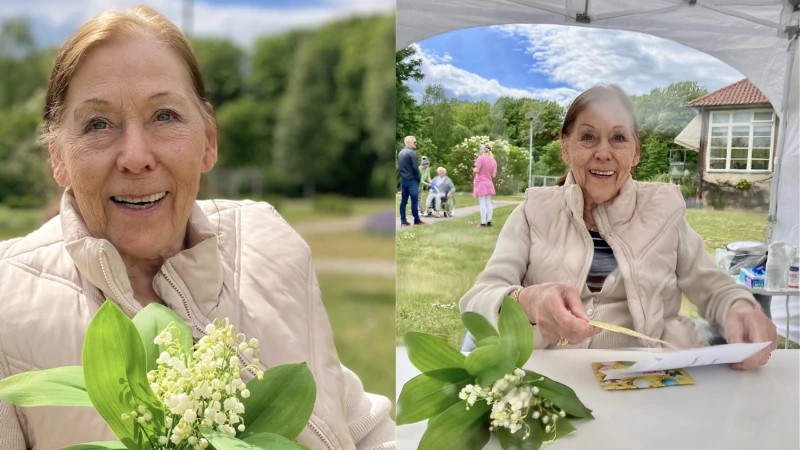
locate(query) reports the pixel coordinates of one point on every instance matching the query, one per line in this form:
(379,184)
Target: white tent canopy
(749,35)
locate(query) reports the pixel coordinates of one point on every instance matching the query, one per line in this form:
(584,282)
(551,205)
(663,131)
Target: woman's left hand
(746,323)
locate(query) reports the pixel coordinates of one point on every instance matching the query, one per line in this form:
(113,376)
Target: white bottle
(794,273)
(777,268)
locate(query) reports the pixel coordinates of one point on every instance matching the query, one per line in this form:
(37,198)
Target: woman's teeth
(606,173)
(140,202)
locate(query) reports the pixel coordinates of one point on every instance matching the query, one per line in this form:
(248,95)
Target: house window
(740,141)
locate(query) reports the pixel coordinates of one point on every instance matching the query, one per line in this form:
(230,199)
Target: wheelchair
(448,207)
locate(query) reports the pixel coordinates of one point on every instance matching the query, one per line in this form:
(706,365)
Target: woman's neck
(142,271)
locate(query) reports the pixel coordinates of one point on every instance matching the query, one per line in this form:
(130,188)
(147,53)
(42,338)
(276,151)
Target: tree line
(448,130)
(310,111)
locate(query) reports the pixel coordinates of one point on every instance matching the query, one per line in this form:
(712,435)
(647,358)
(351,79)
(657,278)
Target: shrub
(744,185)
(335,204)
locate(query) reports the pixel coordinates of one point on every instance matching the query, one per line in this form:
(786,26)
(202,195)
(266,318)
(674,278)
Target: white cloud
(582,57)
(57,19)
(464,84)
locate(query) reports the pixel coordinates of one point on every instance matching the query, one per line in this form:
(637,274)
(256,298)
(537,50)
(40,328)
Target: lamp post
(530,117)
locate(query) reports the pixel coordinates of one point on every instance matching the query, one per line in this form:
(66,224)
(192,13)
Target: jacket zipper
(114,291)
(184,300)
(314,427)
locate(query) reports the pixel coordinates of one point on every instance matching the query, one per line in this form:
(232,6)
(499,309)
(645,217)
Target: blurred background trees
(300,114)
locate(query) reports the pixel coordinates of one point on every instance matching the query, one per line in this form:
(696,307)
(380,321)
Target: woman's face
(601,149)
(132,145)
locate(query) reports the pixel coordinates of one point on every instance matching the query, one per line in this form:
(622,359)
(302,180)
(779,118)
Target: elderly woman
(442,188)
(130,132)
(605,247)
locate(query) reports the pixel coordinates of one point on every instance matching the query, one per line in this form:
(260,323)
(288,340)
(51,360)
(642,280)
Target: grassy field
(463,200)
(428,301)
(361,309)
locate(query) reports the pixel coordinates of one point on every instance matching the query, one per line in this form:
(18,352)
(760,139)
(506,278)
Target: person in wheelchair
(441,187)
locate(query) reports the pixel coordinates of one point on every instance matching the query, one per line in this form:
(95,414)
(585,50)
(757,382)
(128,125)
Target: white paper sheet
(716,354)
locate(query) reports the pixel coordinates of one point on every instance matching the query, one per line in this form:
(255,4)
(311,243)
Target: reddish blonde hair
(106,27)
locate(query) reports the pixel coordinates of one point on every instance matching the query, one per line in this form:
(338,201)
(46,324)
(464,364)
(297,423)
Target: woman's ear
(59,169)
(210,150)
(564,152)
(638,153)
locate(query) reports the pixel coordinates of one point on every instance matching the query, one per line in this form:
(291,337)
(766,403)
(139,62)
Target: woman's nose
(603,152)
(136,155)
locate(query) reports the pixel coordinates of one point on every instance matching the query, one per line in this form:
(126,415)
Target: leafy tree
(438,117)
(407,68)
(222,64)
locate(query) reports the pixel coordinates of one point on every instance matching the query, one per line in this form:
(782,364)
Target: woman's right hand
(558,312)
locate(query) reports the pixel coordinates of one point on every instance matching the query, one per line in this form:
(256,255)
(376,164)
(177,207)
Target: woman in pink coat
(483,187)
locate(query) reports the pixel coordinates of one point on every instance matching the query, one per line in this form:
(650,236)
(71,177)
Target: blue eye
(164,116)
(619,138)
(586,137)
(99,125)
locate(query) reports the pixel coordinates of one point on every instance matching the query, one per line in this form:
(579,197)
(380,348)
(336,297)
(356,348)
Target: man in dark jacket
(409,180)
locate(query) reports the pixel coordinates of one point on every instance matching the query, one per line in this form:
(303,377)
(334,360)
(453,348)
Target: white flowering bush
(467,398)
(156,389)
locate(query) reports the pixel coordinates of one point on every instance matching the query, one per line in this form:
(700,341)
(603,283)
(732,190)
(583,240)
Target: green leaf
(430,393)
(493,340)
(516,329)
(478,326)
(428,352)
(105,445)
(260,441)
(61,386)
(563,428)
(151,321)
(561,395)
(272,442)
(491,362)
(114,372)
(458,428)
(281,403)
(509,441)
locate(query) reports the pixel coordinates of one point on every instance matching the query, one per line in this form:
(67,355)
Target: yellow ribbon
(623,330)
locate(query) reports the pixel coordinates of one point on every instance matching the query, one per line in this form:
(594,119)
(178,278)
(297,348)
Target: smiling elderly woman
(605,247)
(130,133)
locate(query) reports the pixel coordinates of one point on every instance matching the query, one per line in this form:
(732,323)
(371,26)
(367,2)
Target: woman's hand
(746,323)
(557,311)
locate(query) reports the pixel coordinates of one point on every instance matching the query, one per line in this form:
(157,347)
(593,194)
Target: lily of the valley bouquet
(466,398)
(156,389)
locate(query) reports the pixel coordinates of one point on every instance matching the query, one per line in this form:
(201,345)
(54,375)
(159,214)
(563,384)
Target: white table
(726,409)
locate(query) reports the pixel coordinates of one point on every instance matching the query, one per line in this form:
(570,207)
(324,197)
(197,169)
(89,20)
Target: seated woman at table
(602,246)
(130,132)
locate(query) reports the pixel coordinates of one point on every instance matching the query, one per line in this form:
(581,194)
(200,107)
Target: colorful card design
(643,380)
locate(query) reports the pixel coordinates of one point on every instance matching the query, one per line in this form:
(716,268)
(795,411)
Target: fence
(543,180)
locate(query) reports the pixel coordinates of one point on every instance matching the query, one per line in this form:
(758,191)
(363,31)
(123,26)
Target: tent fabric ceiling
(746,34)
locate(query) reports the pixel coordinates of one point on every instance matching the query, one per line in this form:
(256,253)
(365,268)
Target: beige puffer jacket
(659,258)
(243,262)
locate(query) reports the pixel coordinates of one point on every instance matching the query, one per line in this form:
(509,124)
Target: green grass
(428,301)
(361,311)
(463,200)
(302,211)
(18,222)
(352,244)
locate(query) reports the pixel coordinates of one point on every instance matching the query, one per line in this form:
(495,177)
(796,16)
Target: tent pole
(772,219)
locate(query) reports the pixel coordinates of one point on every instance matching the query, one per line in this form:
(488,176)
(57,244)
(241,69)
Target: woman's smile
(140,204)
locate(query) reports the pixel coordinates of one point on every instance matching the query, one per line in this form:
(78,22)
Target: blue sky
(554,62)
(242,20)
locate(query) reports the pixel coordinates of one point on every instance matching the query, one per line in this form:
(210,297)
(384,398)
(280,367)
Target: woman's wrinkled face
(132,144)
(601,149)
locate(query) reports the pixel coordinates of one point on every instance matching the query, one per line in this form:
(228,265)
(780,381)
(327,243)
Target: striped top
(603,263)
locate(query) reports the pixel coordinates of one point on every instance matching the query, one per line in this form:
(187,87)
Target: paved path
(460,212)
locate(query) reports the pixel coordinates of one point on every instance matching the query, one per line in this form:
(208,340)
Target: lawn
(351,244)
(428,300)
(463,200)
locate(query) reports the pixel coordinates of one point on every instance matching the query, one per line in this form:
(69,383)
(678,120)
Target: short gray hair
(441,168)
(407,138)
